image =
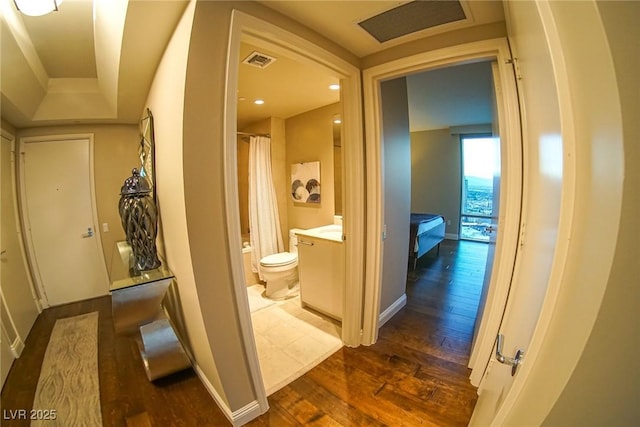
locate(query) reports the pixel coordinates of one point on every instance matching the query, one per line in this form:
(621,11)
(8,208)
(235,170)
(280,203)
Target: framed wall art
(305,182)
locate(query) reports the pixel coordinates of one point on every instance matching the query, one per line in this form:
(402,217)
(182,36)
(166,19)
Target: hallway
(415,374)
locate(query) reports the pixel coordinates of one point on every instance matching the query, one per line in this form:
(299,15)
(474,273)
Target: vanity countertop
(328,232)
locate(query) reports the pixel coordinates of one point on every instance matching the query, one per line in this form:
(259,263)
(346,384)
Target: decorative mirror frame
(146,151)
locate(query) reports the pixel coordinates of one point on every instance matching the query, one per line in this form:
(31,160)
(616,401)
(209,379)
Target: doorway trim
(42,300)
(511,189)
(245,27)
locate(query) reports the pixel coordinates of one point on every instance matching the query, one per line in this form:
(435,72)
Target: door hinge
(522,232)
(516,67)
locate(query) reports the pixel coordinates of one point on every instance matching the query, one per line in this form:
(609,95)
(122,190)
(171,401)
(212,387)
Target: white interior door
(6,355)
(543,186)
(18,309)
(59,205)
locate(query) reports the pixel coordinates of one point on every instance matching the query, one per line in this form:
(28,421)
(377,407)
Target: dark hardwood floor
(415,374)
(127,398)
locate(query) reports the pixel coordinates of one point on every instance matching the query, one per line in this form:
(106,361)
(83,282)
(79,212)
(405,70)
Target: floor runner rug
(68,391)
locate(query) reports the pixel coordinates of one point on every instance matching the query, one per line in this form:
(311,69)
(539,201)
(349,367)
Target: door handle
(513,362)
(88,234)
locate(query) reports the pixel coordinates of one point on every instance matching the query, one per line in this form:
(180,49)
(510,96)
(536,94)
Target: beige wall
(166,101)
(309,139)
(115,155)
(8,127)
(435,175)
(279,173)
(337,178)
(243,183)
(204,196)
(397,189)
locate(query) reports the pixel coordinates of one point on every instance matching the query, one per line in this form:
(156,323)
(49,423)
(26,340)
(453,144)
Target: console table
(136,304)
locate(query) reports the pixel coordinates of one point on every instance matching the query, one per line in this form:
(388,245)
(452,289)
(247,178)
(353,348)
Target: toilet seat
(279,260)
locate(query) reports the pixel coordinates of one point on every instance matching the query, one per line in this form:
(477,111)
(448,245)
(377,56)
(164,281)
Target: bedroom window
(480,165)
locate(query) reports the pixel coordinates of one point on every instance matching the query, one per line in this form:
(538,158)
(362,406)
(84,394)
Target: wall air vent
(412,17)
(259,60)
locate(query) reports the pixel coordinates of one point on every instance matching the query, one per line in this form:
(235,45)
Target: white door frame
(245,27)
(511,190)
(33,262)
(20,230)
(18,345)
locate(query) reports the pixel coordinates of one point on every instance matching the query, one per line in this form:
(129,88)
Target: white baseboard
(451,236)
(247,413)
(392,310)
(238,418)
(16,347)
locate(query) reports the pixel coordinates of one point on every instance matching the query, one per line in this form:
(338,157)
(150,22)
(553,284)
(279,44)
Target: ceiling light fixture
(334,86)
(37,7)
(258,102)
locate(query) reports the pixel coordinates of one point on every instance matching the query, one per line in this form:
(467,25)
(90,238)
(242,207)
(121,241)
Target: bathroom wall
(243,182)
(309,139)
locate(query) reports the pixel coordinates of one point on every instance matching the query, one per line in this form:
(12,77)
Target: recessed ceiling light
(258,101)
(334,86)
(37,8)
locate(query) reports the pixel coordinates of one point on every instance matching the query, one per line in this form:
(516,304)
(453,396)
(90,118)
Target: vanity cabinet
(321,271)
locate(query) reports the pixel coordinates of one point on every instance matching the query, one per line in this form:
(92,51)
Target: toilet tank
(293,240)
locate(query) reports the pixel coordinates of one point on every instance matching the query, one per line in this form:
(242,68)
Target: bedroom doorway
(497,53)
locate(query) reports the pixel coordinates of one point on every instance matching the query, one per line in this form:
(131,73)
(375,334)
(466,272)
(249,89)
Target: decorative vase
(139,216)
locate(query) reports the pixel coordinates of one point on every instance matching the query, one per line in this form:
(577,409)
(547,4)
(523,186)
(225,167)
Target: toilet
(280,270)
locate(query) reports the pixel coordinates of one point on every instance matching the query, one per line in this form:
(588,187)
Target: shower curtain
(264,219)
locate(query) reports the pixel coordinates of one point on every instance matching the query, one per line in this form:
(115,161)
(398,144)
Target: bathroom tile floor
(290,339)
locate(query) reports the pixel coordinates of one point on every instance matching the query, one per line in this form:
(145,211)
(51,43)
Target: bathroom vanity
(321,269)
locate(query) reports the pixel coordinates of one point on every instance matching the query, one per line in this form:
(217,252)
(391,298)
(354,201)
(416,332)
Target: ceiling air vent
(411,17)
(259,60)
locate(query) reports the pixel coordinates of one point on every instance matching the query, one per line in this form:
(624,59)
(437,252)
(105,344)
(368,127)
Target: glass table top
(122,273)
